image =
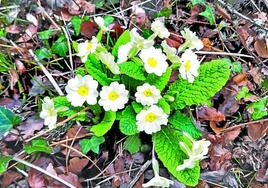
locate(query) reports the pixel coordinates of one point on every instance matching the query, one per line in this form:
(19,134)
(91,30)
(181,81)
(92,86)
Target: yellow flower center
(147,92)
(113,95)
(51,112)
(150,117)
(152,62)
(89,46)
(83,91)
(187,65)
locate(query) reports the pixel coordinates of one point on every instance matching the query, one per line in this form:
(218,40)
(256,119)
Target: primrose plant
(127,85)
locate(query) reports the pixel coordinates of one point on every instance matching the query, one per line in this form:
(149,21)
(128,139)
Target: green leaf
(201,2)
(4,160)
(258,109)
(97,74)
(92,144)
(44,35)
(123,39)
(108,20)
(127,123)
(62,102)
(243,93)
(3,32)
(130,83)
(159,81)
(38,145)
(7,120)
(236,67)
(60,47)
(184,123)
(169,152)
(132,143)
(212,77)
(164,105)
(209,14)
(76,21)
(137,106)
(166,12)
(132,70)
(105,125)
(43,53)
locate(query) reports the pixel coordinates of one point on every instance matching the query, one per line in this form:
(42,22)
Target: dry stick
(244,124)
(58,125)
(223,53)
(43,171)
(70,49)
(48,75)
(232,10)
(138,175)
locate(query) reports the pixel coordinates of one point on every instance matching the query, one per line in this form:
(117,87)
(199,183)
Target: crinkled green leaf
(123,39)
(132,70)
(133,143)
(76,22)
(184,123)
(60,46)
(7,120)
(164,105)
(62,102)
(212,77)
(159,81)
(169,152)
(127,123)
(236,67)
(105,125)
(259,108)
(4,160)
(92,144)
(37,145)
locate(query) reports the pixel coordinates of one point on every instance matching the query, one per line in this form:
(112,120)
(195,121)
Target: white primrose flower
(49,113)
(82,89)
(157,180)
(191,40)
(113,97)
(154,61)
(147,94)
(108,59)
(138,41)
(189,65)
(198,152)
(101,23)
(170,52)
(150,120)
(123,52)
(86,48)
(159,28)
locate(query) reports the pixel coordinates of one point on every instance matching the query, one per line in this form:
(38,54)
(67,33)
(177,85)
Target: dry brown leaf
(13,78)
(76,165)
(89,29)
(210,114)
(222,12)
(261,48)
(31,125)
(257,130)
(10,177)
(233,134)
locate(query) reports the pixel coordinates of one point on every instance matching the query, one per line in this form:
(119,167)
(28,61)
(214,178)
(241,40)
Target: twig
(138,175)
(224,53)
(43,171)
(232,10)
(50,78)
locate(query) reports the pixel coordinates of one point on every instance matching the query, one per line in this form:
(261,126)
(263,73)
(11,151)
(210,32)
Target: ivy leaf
(212,77)
(76,22)
(92,144)
(184,123)
(127,123)
(169,152)
(61,102)
(108,20)
(258,108)
(159,82)
(132,70)
(44,35)
(132,143)
(165,12)
(164,105)
(209,14)
(105,125)
(38,145)
(4,160)
(7,120)
(60,46)
(43,53)
(123,39)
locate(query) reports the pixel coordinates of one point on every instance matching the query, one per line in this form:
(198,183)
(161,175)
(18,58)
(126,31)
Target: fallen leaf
(256,74)
(173,43)
(20,66)
(31,18)
(257,130)
(261,48)
(210,114)
(14,29)
(214,126)
(72,179)
(232,134)
(10,103)
(13,78)
(29,126)
(76,165)
(73,132)
(207,44)
(10,177)
(222,12)
(29,32)
(89,29)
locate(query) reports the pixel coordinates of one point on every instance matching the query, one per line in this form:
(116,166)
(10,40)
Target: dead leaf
(76,165)
(257,130)
(207,44)
(140,181)
(72,179)
(214,126)
(210,114)
(31,125)
(29,32)
(222,12)
(233,134)
(261,48)
(10,103)
(256,74)
(13,78)
(14,29)
(20,66)
(173,43)
(31,18)
(10,177)
(195,11)
(73,132)
(89,29)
